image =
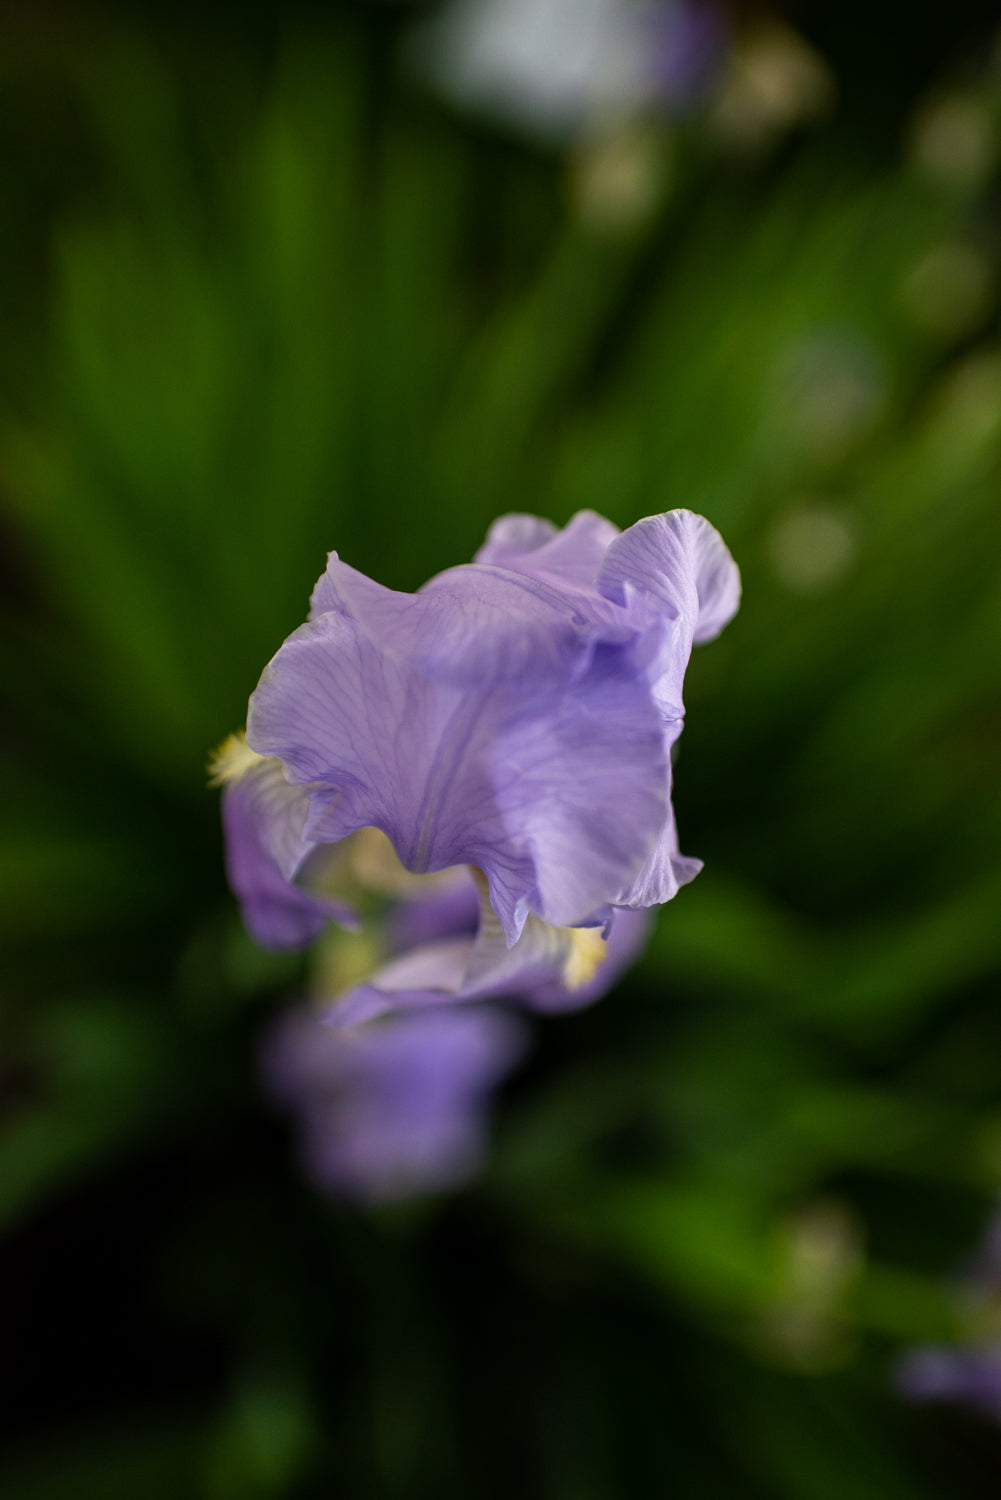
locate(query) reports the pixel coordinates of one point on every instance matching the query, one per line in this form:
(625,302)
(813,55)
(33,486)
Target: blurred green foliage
(267,311)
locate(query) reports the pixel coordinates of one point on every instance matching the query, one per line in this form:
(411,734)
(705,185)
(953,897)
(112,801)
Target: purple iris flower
(399,1108)
(489,759)
(516,716)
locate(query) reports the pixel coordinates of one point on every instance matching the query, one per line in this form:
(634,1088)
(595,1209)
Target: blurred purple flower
(398,1106)
(967,1372)
(492,755)
(394,1109)
(970,1375)
(686,46)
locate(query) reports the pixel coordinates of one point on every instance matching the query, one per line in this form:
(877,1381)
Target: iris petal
(679,563)
(474,723)
(549,968)
(515,714)
(395,1109)
(264,821)
(526,544)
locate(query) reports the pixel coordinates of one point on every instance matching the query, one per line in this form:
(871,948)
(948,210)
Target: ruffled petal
(526,544)
(676,565)
(474,723)
(680,560)
(474,620)
(664,873)
(680,564)
(511,537)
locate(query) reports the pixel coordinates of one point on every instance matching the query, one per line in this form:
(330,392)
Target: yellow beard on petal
(233,759)
(588,951)
(580,951)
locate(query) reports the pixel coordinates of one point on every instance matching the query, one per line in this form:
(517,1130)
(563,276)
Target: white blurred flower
(554,67)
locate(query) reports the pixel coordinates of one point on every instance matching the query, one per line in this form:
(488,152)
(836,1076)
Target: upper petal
(680,560)
(526,544)
(512,536)
(479,722)
(471,621)
(583,783)
(680,564)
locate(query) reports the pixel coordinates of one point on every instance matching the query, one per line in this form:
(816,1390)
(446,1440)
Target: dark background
(263,294)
